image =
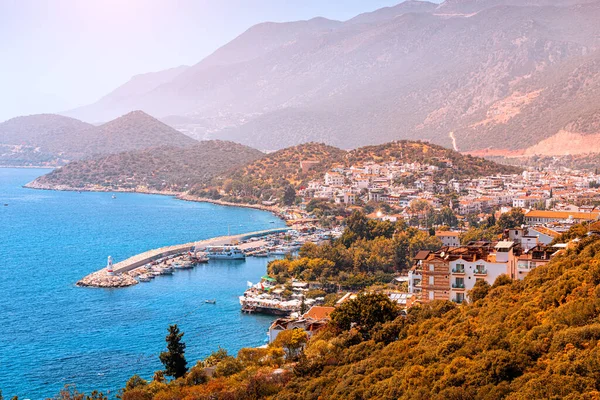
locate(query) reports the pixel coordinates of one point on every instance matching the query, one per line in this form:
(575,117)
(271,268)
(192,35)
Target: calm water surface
(53,333)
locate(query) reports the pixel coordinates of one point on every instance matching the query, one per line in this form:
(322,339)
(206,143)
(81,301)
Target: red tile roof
(319,312)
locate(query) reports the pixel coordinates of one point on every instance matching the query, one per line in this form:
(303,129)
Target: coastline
(275,210)
(29,166)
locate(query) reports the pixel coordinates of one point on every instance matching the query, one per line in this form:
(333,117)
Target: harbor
(123,273)
(166,260)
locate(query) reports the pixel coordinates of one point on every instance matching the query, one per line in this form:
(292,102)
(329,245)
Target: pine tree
(302,307)
(289,196)
(174,358)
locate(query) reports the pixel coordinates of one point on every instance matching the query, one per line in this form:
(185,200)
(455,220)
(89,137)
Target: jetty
(119,275)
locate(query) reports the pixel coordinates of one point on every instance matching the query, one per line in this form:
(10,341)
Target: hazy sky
(60,54)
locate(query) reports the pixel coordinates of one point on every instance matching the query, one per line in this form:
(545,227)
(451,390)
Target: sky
(60,54)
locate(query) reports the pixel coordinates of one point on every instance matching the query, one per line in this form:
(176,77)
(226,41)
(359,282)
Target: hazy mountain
(52,132)
(134,131)
(53,139)
(473,6)
(386,13)
(474,74)
(109,106)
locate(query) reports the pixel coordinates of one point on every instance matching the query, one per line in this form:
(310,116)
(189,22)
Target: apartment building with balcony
(535,257)
(448,274)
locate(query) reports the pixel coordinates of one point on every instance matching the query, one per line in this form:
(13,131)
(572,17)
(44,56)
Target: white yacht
(225,252)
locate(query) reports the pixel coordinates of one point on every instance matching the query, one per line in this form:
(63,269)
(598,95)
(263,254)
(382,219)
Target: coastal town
(551,202)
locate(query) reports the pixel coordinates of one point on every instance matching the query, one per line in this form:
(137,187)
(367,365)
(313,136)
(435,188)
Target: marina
(123,273)
(146,266)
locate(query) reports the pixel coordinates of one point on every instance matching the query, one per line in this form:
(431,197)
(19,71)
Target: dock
(121,278)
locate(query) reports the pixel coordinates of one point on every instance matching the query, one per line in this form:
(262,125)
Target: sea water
(53,333)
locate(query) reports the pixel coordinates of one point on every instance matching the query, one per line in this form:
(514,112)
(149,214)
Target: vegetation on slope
(157,169)
(233,172)
(267,178)
(369,252)
(452,164)
(537,338)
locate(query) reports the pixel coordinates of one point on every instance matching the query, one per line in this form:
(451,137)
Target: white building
(334,179)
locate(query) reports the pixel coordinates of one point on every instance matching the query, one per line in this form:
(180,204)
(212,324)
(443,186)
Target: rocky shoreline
(101,279)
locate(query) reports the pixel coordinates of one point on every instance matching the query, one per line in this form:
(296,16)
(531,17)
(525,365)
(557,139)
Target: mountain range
(48,139)
(504,76)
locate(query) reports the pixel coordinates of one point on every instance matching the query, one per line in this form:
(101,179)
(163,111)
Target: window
(431,267)
(431,295)
(459,283)
(431,280)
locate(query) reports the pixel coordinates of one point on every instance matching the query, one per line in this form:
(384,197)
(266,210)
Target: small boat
(199,259)
(167,270)
(144,278)
(213,301)
(261,254)
(185,265)
(114,197)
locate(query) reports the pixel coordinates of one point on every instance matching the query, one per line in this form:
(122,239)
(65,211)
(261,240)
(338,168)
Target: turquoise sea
(53,333)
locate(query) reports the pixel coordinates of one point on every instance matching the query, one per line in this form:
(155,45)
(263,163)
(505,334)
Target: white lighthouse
(109,266)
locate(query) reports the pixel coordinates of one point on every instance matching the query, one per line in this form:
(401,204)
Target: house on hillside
(534,217)
(313,320)
(448,238)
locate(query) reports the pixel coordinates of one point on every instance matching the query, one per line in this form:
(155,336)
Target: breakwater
(121,277)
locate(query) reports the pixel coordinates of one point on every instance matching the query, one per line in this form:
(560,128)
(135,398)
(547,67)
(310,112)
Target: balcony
(458,270)
(458,301)
(480,271)
(457,285)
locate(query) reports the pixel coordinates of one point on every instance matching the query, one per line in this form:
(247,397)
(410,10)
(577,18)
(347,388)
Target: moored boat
(225,252)
(185,265)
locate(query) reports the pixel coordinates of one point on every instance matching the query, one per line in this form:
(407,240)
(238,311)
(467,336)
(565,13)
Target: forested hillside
(164,168)
(531,339)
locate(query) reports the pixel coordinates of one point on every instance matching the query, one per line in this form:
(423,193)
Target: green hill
(164,168)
